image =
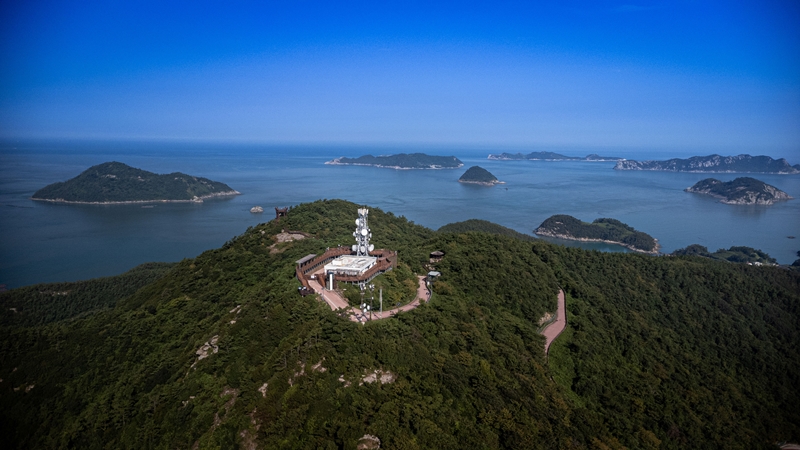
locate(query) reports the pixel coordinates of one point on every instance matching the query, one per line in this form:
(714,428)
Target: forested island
(741,191)
(401,161)
(737,254)
(714,163)
(611,231)
(479,175)
(550,156)
(220,351)
(115,182)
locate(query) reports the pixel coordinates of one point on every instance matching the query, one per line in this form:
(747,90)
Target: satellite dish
(358,222)
(362,249)
(371,247)
(354,247)
(364,231)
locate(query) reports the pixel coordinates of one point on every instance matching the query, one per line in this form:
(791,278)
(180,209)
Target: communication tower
(362,234)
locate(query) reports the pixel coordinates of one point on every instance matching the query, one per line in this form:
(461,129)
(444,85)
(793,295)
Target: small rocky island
(549,156)
(610,231)
(479,175)
(714,163)
(115,182)
(741,191)
(401,161)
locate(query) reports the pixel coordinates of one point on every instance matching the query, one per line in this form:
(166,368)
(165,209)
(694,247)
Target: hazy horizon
(690,78)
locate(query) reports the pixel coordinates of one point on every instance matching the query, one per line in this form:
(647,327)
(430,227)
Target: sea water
(44,242)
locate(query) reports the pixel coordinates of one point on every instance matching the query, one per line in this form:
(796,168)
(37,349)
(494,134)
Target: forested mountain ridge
(659,352)
(713,163)
(115,182)
(550,156)
(53,302)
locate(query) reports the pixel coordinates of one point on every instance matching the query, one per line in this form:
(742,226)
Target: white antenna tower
(362,234)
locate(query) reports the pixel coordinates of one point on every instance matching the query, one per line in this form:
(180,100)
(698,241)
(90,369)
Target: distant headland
(714,163)
(401,161)
(118,183)
(550,156)
(741,191)
(610,231)
(736,254)
(479,175)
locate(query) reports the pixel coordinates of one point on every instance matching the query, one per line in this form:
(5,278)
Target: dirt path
(336,302)
(552,331)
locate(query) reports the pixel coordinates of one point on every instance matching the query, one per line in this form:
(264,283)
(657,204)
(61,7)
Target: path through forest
(552,331)
(335,301)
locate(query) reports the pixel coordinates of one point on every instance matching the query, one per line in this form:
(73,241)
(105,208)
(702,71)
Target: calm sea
(43,242)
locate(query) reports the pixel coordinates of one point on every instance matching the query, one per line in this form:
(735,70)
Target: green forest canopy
(659,352)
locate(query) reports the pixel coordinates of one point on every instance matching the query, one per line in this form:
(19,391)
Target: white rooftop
(350,264)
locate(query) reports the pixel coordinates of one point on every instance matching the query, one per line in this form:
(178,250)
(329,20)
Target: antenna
(362,234)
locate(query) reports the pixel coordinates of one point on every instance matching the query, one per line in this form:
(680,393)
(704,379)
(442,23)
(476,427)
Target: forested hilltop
(601,230)
(115,182)
(221,352)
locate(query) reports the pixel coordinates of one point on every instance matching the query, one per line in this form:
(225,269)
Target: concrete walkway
(336,302)
(552,331)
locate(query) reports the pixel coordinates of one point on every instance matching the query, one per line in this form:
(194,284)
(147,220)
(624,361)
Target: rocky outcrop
(741,191)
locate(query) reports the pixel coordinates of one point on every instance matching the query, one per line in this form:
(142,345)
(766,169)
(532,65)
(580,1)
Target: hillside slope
(221,352)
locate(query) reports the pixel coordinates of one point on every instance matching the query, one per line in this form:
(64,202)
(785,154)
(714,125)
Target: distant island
(611,231)
(115,182)
(401,161)
(550,156)
(479,175)
(737,254)
(714,163)
(741,191)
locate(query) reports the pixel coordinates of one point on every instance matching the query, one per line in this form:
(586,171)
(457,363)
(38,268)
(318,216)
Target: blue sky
(691,76)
